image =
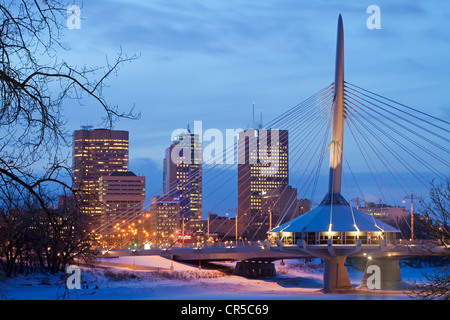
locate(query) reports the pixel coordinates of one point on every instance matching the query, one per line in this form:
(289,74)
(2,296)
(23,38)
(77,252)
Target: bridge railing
(219,244)
(196,245)
(421,242)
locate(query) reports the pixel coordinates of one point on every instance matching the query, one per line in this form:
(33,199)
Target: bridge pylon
(334,229)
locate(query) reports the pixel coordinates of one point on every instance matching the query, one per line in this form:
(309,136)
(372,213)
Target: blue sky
(209,60)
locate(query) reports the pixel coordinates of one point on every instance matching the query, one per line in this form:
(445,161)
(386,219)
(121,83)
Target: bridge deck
(272,253)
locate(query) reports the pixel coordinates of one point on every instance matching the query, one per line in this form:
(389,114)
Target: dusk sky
(211,60)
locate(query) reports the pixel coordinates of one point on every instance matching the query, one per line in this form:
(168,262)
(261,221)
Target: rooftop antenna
(253,123)
(86,127)
(260,120)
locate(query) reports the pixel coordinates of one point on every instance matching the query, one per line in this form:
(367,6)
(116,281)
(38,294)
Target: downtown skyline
(195,132)
(211,61)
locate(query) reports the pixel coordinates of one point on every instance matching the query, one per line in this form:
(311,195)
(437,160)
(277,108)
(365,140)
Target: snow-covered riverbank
(157,278)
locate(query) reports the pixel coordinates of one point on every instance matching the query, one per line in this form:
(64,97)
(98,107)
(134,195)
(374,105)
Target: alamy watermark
(73,281)
(374,20)
(373,281)
(212,146)
(74,20)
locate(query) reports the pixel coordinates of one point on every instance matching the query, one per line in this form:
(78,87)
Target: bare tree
(437,213)
(437,219)
(34,85)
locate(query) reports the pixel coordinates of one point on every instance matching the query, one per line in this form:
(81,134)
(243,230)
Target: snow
(158,278)
(151,262)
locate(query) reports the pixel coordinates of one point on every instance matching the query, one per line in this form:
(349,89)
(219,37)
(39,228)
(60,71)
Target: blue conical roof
(343,218)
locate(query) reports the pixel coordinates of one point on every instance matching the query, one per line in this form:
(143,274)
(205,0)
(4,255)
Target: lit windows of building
(263,164)
(388,214)
(96,153)
(122,196)
(182,176)
(164,220)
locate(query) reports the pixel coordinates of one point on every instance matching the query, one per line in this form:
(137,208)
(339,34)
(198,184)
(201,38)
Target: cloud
(209,60)
(176,28)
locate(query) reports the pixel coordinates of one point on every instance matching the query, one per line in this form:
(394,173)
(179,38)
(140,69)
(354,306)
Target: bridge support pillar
(390,276)
(335,275)
(254,269)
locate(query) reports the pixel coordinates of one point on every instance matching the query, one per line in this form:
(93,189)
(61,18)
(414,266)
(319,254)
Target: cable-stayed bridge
(392,142)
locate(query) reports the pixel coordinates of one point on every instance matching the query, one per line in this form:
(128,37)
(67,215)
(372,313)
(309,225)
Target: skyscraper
(164,222)
(182,177)
(281,204)
(263,163)
(122,195)
(96,153)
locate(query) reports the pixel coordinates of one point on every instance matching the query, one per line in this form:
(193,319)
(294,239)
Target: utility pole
(207,234)
(236,225)
(270,219)
(412,217)
(182,229)
(412,196)
(358,199)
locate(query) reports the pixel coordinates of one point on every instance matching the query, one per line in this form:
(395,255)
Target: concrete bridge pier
(254,269)
(335,275)
(383,273)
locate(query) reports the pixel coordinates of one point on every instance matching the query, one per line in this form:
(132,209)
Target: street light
(236,222)
(412,197)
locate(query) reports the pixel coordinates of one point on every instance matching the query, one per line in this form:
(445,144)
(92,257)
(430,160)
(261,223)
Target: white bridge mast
(337,133)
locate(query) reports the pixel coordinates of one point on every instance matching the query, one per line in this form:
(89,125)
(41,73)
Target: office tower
(388,214)
(122,194)
(304,205)
(66,204)
(96,153)
(280,204)
(220,228)
(164,220)
(263,163)
(182,177)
